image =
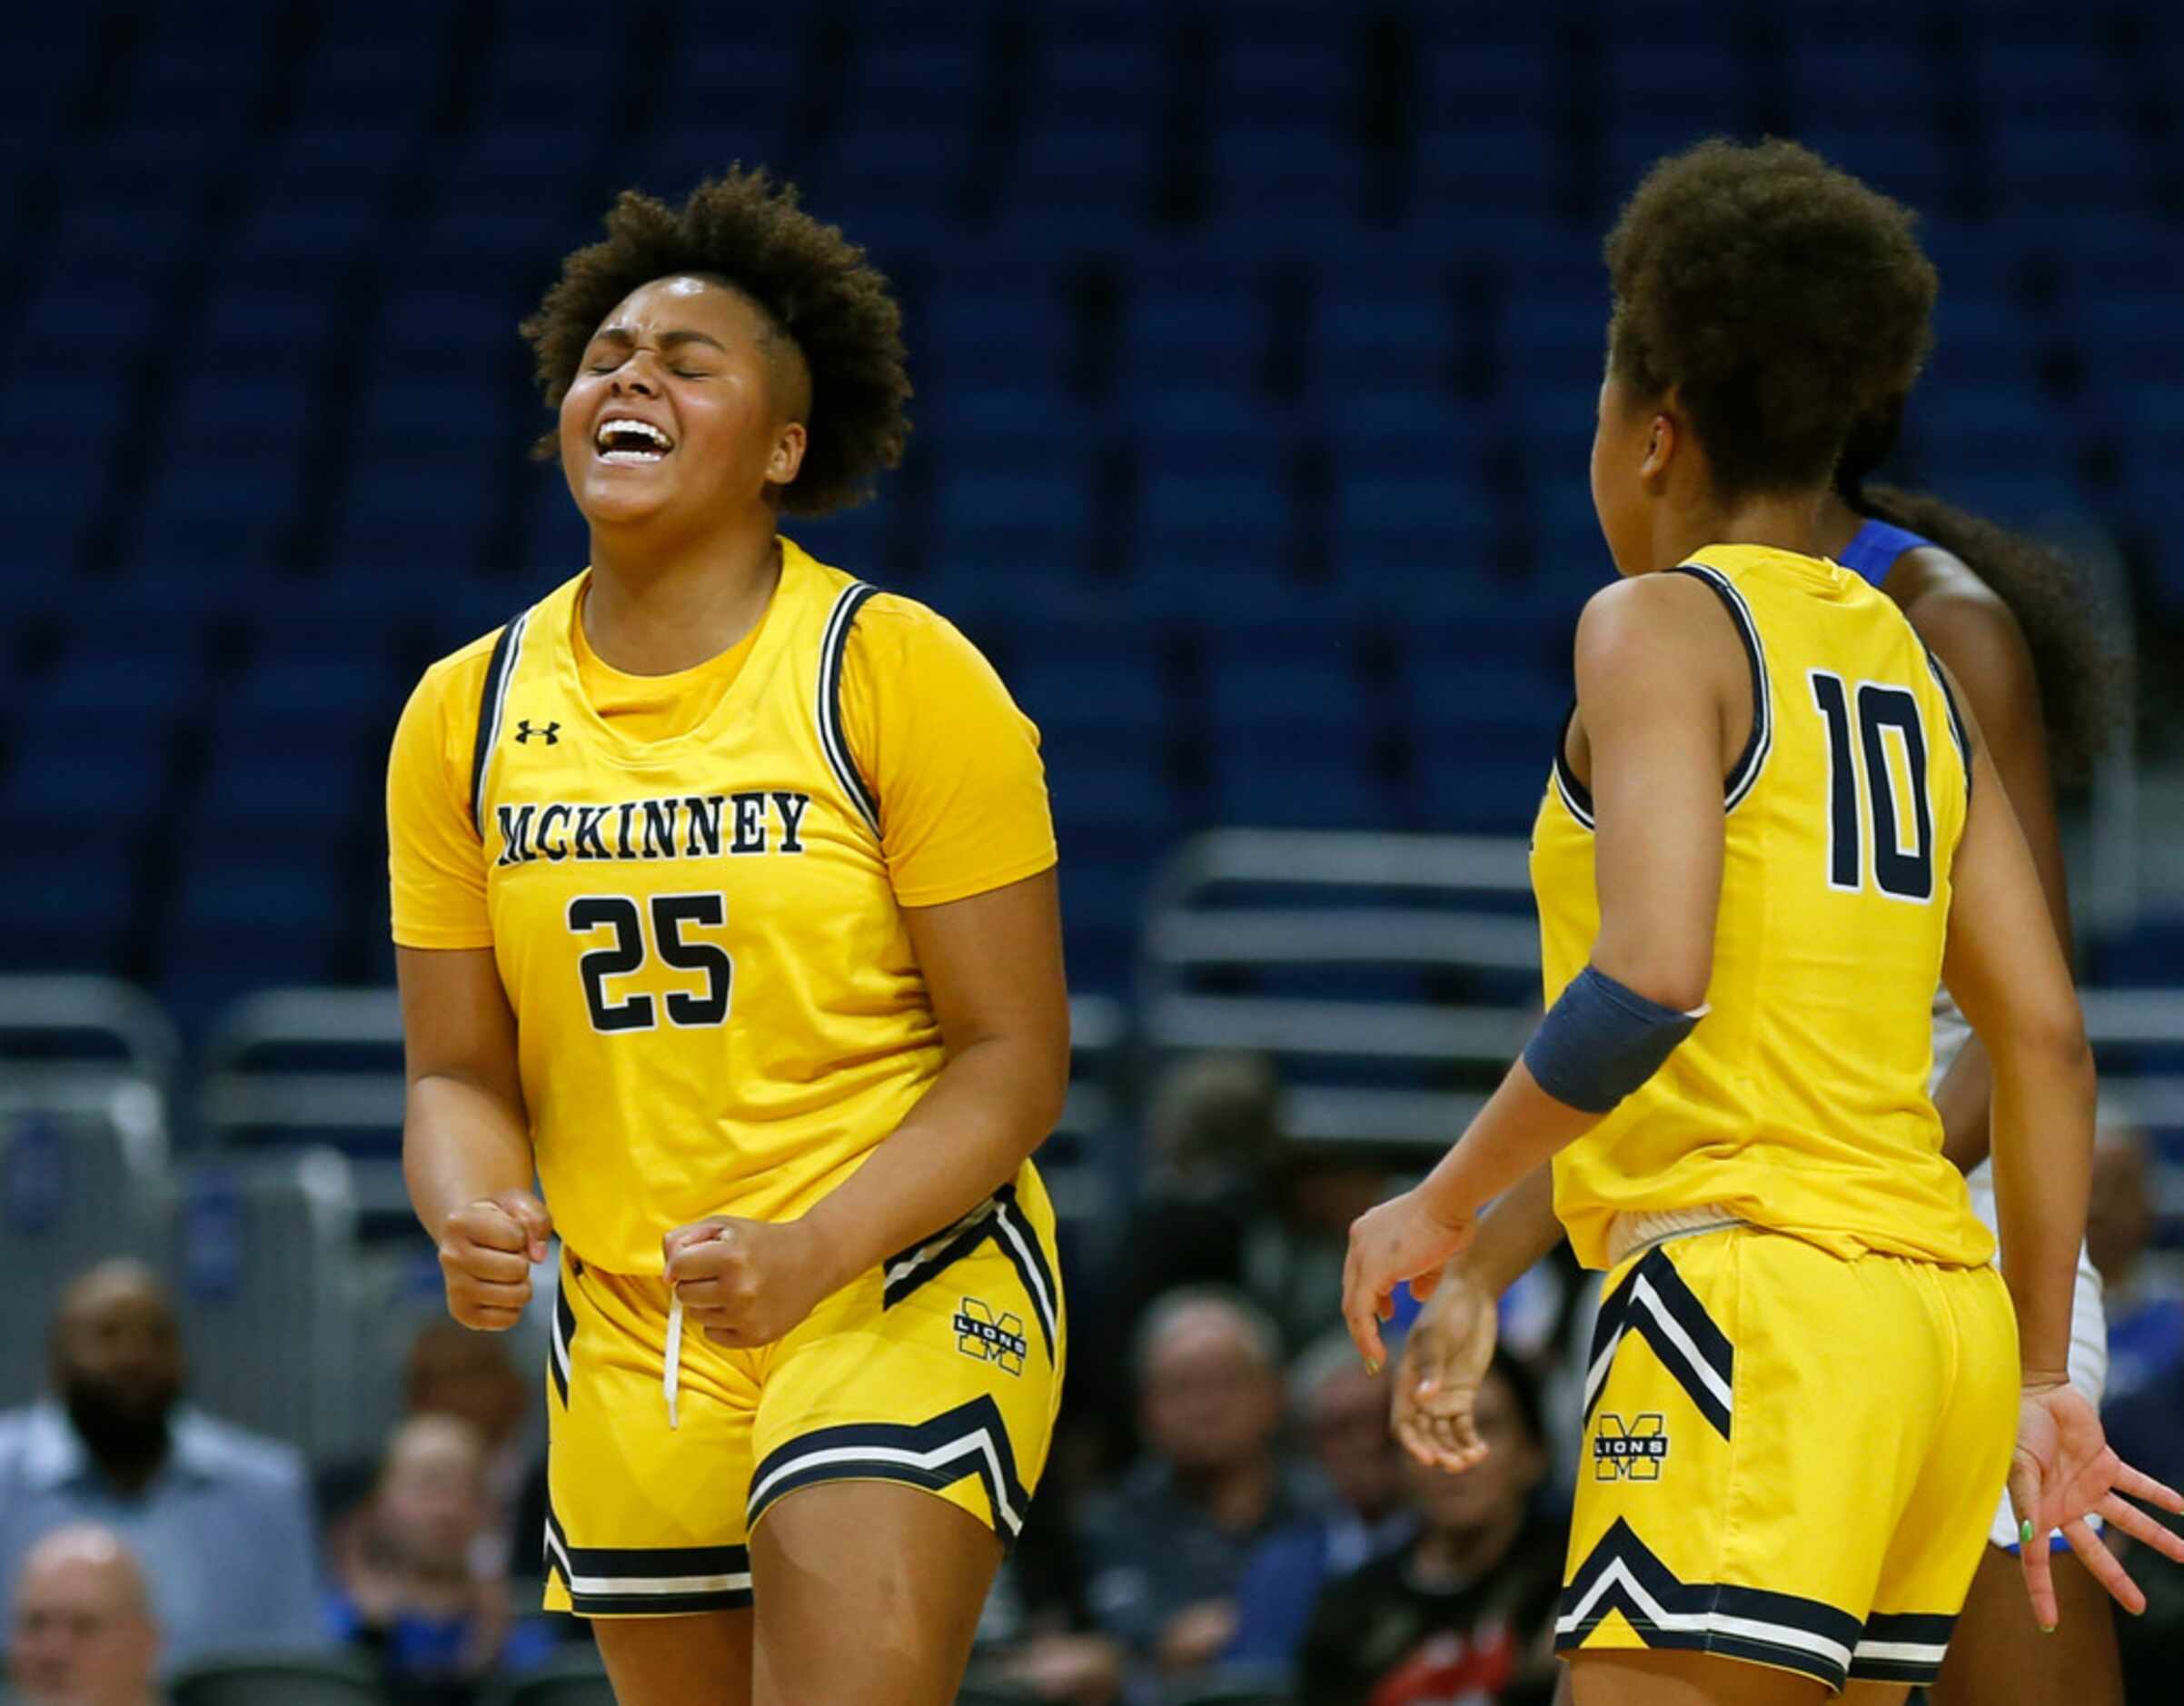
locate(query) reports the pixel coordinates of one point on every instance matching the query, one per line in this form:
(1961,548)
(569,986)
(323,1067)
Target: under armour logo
(549,734)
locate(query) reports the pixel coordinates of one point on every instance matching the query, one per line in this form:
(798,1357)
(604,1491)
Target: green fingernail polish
(2024,1532)
(1371,1365)
(2047,1628)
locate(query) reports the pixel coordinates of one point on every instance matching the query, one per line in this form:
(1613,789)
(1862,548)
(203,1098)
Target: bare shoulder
(1655,628)
(1962,620)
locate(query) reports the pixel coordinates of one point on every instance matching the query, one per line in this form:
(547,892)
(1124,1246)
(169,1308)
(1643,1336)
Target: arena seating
(1256,347)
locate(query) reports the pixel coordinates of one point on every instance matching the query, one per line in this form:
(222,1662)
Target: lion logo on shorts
(980,1333)
(1634,1453)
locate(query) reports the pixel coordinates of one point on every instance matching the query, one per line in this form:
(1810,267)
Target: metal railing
(1238,902)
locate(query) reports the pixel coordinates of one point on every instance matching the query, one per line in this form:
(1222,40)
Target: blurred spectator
(82,1634)
(1465,1612)
(455,1372)
(1230,1201)
(1167,1548)
(218,1518)
(1343,1412)
(409,1586)
(2145,1304)
(1213,1130)
(452,1371)
(1033,1633)
(2146,1431)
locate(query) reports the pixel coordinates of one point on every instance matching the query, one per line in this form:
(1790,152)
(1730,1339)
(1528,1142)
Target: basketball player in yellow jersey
(1768,833)
(723,890)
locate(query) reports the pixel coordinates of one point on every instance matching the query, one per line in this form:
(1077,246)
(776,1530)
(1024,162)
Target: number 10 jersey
(1799,1103)
(718,1008)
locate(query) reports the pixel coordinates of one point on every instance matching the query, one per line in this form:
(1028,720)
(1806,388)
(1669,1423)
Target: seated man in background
(1166,1549)
(2142,1294)
(450,1371)
(1464,1612)
(2148,1425)
(82,1632)
(412,1586)
(218,1518)
(1342,1413)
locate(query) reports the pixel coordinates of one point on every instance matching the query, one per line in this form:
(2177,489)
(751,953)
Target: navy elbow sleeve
(1602,1041)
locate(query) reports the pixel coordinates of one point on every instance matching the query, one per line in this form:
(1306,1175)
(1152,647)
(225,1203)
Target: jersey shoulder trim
(1957,731)
(508,650)
(833,648)
(1577,799)
(1745,771)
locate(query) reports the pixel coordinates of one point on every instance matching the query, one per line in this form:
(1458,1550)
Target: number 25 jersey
(1800,1101)
(718,1008)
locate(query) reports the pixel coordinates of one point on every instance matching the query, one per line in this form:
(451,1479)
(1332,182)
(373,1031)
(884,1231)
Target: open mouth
(622,439)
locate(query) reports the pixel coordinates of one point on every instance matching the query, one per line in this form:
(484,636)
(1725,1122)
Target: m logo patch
(1634,1453)
(980,1333)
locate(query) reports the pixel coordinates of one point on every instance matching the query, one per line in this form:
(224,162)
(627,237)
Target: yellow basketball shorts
(1789,1458)
(940,1370)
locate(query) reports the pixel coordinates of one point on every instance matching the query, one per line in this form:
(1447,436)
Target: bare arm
(993,965)
(1658,669)
(1515,1232)
(2006,970)
(465,1140)
(1977,639)
(1649,659)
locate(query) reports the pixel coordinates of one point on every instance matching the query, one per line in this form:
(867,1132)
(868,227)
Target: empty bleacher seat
(283,1680)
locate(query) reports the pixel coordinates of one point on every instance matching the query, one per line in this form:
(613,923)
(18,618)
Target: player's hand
(1403,1239)
(487,1249)
(746,1282)
(2064,1471)
(1444,1359)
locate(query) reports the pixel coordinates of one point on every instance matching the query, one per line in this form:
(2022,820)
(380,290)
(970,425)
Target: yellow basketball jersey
(719,1010)
(1800,1101)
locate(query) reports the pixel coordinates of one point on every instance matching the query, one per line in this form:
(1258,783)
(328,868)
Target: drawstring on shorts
(673,1378)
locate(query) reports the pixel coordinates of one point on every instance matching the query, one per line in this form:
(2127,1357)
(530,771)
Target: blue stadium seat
(1858,80)
(1501,65)
(37,77)
(1982,341)
(1907,159)
(1032,521)
(203,508)
(439,516)
(1304,174)
(252,431)
(2088,160)
(1475,177)
(67,897)
(1007,429)
(1197,343)
(1405,336)
(244,919)
(1024,338)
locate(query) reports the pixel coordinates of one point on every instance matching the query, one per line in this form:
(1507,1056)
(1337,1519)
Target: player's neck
(654,614)
(1839,524)
(1781,521)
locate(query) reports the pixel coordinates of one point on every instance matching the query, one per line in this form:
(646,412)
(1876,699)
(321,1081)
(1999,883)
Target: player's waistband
(1631,1234)
(999,1218)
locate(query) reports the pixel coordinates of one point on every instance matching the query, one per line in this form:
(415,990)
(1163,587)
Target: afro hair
(811,283)
(1784,300)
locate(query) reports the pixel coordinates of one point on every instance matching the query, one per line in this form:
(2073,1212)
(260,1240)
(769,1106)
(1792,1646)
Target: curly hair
(810,283)
(2079,659)
(1782,298)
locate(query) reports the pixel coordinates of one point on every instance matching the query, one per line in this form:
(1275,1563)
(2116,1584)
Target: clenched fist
(487,1249)
(746,1282)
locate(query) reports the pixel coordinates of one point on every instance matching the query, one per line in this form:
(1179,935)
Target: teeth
(623,426)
